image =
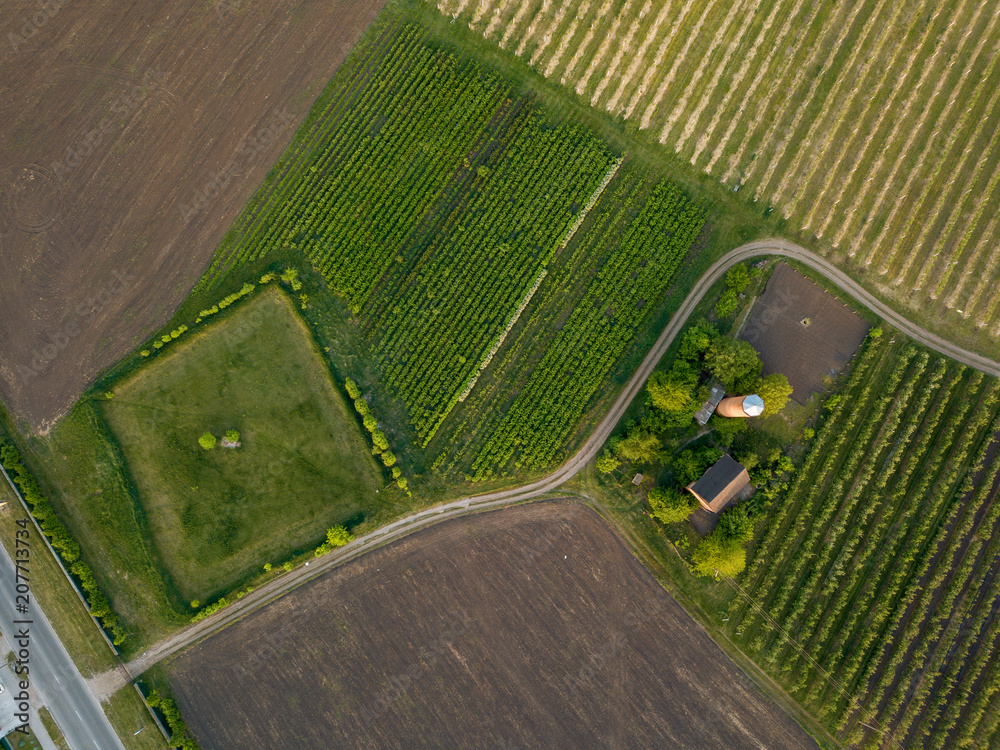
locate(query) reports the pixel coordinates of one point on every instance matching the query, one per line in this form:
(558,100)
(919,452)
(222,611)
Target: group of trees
(65,546)
(380,443)
(179,735)
(737,280)
(208,441)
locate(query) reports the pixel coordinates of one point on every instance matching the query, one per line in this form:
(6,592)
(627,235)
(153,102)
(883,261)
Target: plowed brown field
(131,134)
(527,627)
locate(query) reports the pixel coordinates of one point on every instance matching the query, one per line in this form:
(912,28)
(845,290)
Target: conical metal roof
(753,405)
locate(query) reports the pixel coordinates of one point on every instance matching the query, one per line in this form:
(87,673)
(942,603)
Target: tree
(690,464)
(674,390)
(361,406)
(734,363)
(775,390)
(352,389)
(639,447)
(738,278)
(727,304)
(380,441)
(388,458)
(338,536)
(207,441)
(716,553)
(727,428)
(370,422)
(233,436)
(736,523)
(697,339)
(607,462)
(668,505)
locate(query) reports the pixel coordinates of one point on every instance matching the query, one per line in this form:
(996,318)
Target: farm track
(107,683)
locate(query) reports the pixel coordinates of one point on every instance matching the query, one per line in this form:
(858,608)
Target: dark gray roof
(720,483)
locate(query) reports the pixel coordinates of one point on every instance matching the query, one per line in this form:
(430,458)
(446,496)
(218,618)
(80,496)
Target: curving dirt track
(109,682)
(131,135)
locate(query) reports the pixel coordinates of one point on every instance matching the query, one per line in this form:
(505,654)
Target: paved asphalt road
(770,247)
(53,673)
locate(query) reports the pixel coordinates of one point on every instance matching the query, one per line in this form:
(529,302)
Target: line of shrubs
(179,737)
(380,443)
(62,542)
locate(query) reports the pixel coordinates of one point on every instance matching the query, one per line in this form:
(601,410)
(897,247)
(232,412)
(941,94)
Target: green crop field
(872,126)
(874,584)
(483,264)
(302,467)
(490,254)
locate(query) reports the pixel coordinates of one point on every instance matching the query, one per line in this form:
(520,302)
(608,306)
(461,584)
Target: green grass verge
(53,730)
(54,594)
(131,720)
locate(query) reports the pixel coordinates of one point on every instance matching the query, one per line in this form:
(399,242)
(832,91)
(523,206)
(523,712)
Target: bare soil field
(802,331)
(133,133)
(527,627)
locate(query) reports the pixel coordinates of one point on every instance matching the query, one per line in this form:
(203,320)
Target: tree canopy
(638,447)
(674,390)
(669,505)
(607,462)
(734,363)
(717,553)
(775,390)
(207,441)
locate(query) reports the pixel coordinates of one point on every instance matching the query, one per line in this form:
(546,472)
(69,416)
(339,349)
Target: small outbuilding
(720,484)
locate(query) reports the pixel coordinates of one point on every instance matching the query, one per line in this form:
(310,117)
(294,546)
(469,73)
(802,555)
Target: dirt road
(110,681)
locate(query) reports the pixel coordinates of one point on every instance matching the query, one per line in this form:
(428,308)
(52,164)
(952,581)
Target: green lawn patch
(301,467)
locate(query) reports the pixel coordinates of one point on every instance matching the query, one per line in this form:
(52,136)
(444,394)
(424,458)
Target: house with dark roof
(720,484)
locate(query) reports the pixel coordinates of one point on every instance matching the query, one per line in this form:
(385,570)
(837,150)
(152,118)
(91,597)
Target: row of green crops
(875,580)
(640,256)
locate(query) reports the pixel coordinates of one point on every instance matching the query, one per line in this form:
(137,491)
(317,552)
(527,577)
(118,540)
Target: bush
(716,553)
(207,441)
(727,304)
(738,278)
(233,436)
(352,389)
(607,462)
(668,505)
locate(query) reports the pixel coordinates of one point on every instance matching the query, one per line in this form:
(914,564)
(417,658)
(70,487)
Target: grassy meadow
(302,467)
